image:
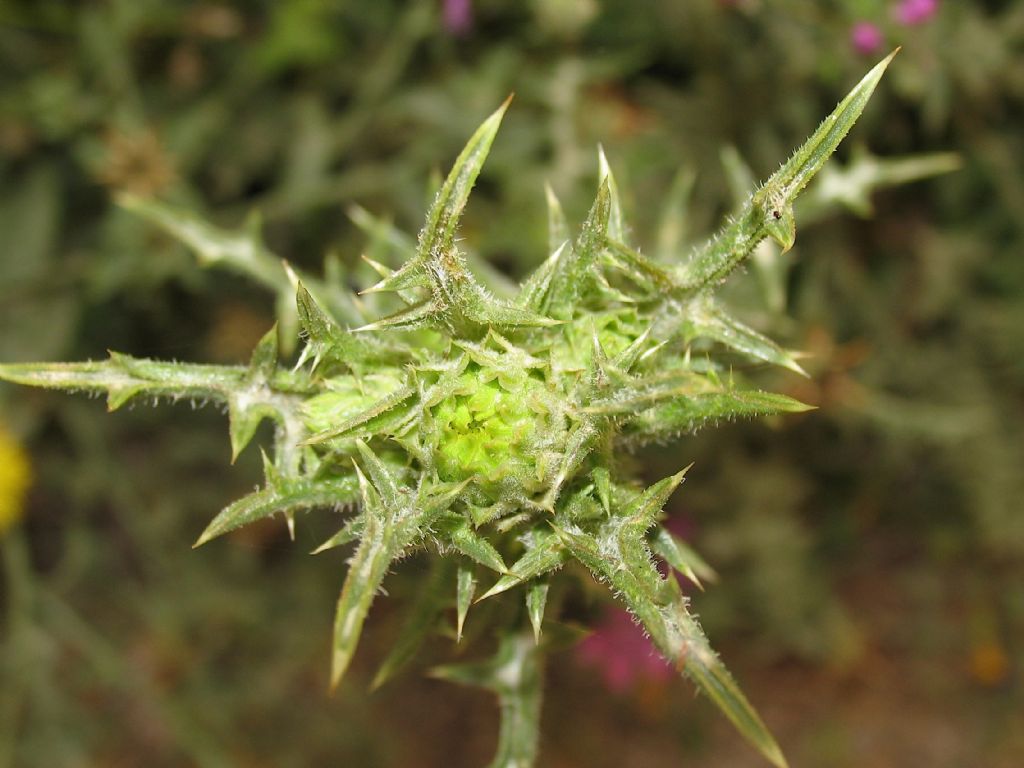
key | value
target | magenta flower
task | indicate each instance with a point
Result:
(866, 38)
(457, 16)
(622, 653)
(914, 12)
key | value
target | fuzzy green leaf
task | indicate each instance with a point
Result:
(582, 439)
(382, 416)
(395, 519)
(653, 278)
(382, 477)
(691, 408)
(351, 531)
(707, 319)
(285, 495)
(643, 511)
(465, 588)
(327, 340)
(683, 642)
(616, 221)
(657, 604)
(438, 235)
(603, 487)
(681, 556)
(536, 600)
(123, 378)
(544, 554)
(769, 211)
(457, 301)
(460, 534)
(378, 548)
(575, 270)
(534, 292)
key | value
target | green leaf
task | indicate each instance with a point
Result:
(684, 644)
(603, 486)
(249, 405)
(327, 340)
(574, 272)
(458, 533)
(420, 315)
(321, 330)
(616, 222)
(263, 362)
(395, 519)
(385, 414)
(583, 437)
(351, 531)
(793, 176)
(657, 604)
(639, 394)
(457, 300)
(536, 600)
(371, 562)
(465, 588)
(769, 211)
(123, 378)
(706, 319)
(681, 556)
(688, 412)
(645, 273)
(643, 511)
(534, 291)
(379, 546)
(382, 477)
(544, 554)
(438, 235)
(245, 417)
(286, 496)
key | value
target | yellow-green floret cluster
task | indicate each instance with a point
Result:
(489, 429)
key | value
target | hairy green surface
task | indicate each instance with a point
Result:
(491, 429)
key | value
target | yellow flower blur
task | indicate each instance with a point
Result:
(15, 476)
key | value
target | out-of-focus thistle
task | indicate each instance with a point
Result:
(491, 430)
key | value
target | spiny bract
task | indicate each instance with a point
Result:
(491, 428)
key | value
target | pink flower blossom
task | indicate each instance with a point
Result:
(457, 16)
(621, 652)
(914, 12)
(866, 38)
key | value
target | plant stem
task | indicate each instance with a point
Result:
(519, 685)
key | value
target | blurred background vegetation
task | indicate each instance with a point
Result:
(871, 552)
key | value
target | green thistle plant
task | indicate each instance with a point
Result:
(491, 429)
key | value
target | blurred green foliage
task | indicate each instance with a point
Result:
(905, 484)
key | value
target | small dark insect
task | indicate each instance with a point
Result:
(777, 215)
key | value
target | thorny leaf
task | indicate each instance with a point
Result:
(489, 429)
